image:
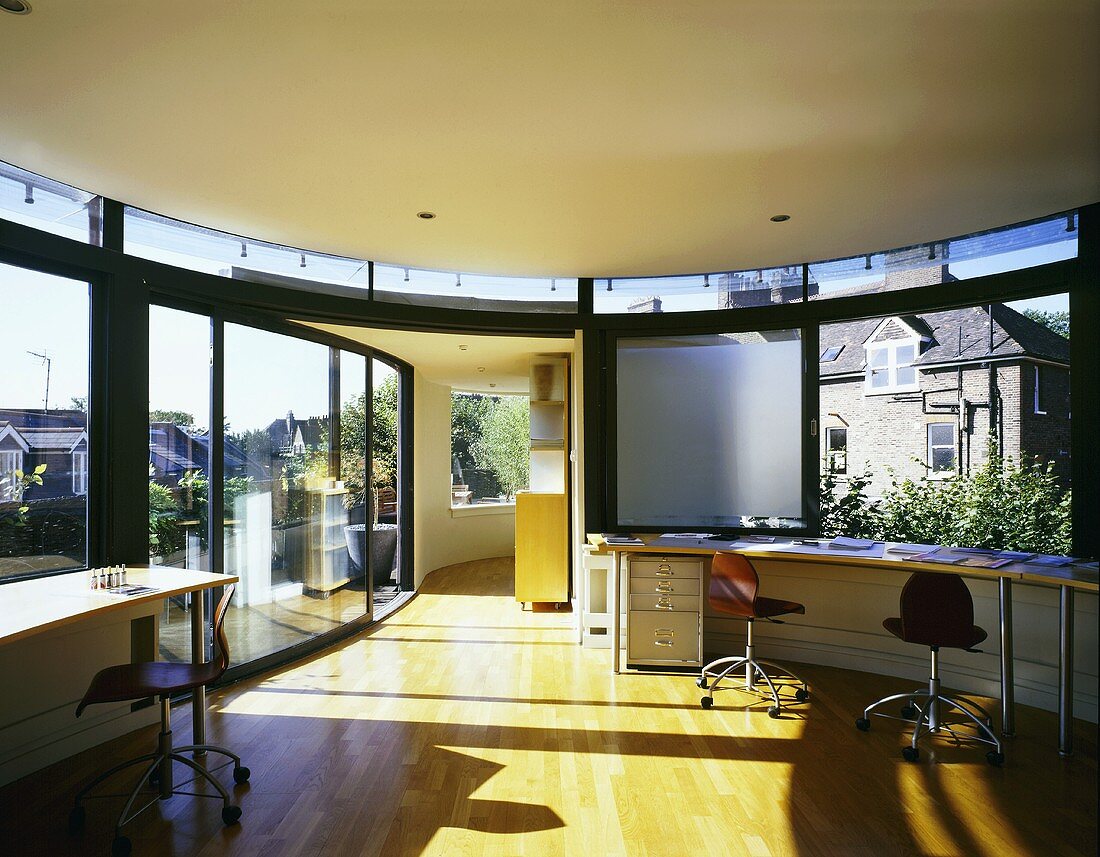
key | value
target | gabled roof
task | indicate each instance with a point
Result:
(956, 335)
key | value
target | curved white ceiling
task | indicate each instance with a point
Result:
(577, 137)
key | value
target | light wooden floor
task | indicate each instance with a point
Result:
(462, 726)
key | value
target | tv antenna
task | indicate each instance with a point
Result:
(47, 361)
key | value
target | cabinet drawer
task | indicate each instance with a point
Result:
(664, 586)
(665, 567)
(666, 603)
(662, 636)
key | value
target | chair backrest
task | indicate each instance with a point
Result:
(221, 643)
(733, 585)
(937, 610)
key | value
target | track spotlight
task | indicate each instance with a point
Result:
(609, 284)
(553, 285)
(706, 281)
(244, 250)
(458, 280)
(931, 252)
(406, 275)
(867, 265)
(301, 260)
(28, 198)
(1071, 224)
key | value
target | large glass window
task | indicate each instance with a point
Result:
(709, 430)
(43, 422)
(959, 454)
(286, 506)
(994, 251)
(460, 290)
(389, 518)
(37, 201)
(491, 439)
(723, 290)
(185, 245)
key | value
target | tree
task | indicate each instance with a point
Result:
(353, 418)
(503, 446)
(848, 511)
(179, 418)
(78, 403)
(1056, 320)
(468, 413)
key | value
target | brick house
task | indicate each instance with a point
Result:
(922, 393)
(57, 439)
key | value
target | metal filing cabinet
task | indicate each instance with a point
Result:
(664, 626)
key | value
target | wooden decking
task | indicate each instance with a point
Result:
(463, 725)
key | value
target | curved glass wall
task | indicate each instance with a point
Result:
(724, 290)
(37, 201)
(458, 290)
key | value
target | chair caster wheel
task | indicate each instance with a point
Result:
(802, 694)
(995, 759)
(908, 712)
(241, 774)
(76, 819)
(863, 724)
(706, 702)
(231, 815)
(773, 712)
(121, 847)
(910, 754)
(701, 682)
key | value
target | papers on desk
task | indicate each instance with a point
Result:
(698, 536)
(820, 547)
(1046, 561)
(130, 589)
(842, 543)
(910, 548)
(621, 539)
(967, 558)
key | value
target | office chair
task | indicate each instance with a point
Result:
(138, 681)
(733, 591)
(936, 611)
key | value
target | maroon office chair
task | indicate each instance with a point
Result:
(138, 681)
(733, 591)
(936, 611)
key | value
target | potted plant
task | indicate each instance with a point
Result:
(383, 536)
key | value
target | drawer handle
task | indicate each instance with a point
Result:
(663, 571)
(667, 643)
(664, 632)
(664, 586)
(664, 603)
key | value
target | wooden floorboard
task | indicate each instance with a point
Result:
(464, 725)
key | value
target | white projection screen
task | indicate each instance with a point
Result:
(709, 430)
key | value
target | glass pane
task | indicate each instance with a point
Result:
(179, 459)
(1009, 465)
(941, 434)
(907, 376)
(43, 422)
(353, 475)
(878, 357)
(710, 430)
(51, 206)
(185, 245)
(385, 474)
(725, 290)
(461, 290)
(880, 378)
(490, 446)
(285, 506)
(838, 439)
(994, 251)
(943, 459)
(905, 354)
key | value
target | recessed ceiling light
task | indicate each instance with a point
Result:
(423, 215)
(492, 385)
(16, 7)
(780, 218)
(463, 347)
(480, 368)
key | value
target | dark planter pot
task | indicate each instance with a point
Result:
(383, 554)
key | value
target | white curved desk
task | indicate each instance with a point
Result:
(1068, 580)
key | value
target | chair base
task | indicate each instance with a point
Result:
(924, 709)
(714, 673)
(158, 772)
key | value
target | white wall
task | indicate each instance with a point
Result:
(441, 538)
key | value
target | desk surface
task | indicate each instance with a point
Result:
(30, 606)
(1075, 576)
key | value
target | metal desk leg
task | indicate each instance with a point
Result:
(1065, 673)
(198, 656)
(615, 608)
(1008, 688)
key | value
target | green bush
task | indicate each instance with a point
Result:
(1001, 505)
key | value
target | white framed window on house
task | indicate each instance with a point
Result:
(941, 449)
(1037, 406)
(10, 461)
(890, 367)
(80, 472)
(836, 450)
